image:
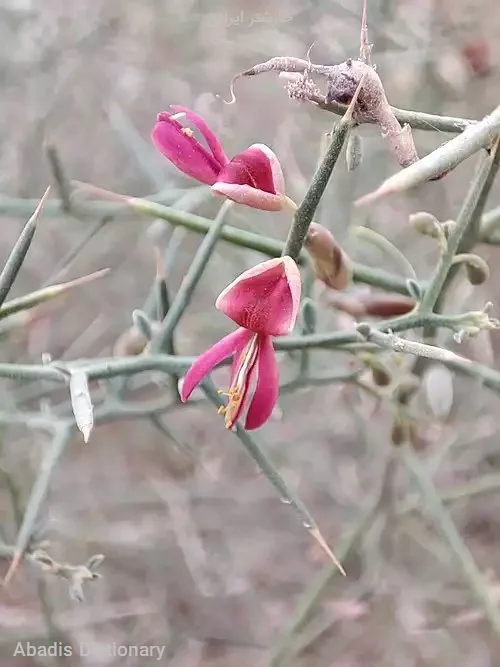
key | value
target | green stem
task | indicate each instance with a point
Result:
(466, 224)
(379, 241)
(474, 577)
(19, 251)
(269, 471)
(305, 212)
(418, 120)
(37, 496)
(183, 297)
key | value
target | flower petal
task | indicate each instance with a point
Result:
(267, 389)
(249, 196)
(209, 136)
(209, 359)
(257, 167)
(183, 150)
(276, 170)
(264, 299)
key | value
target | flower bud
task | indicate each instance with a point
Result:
(448, 226)
(477, 270)
(130, 343)
(386, 305)
(354, 151)
(331, 264)
(425, 223)
(380, 375)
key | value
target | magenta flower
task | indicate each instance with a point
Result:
(264, 302)
(253, 177)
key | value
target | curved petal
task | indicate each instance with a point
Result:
(264, 299)
(182, 149)
(210, 136)
(207, 361)
(295, 285)
(276, 170)
(249, 196)
(255, 168)
(267, 389)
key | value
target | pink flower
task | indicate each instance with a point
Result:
(264, 302)
(253, 177)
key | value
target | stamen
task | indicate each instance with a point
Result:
(187, 131)
(241, 381)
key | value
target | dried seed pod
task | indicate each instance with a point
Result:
(343, 80)
(331, 264)
(425, 223)
(354, 151)
(372, 106)
(386, 305)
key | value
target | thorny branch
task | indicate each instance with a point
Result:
(354, 91)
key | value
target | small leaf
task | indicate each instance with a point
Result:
(438, 384)
(143, 323)
(81, 403)
(414, 289)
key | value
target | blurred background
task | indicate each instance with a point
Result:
(201, 555)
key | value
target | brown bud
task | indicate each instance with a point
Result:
(386, 305)
(477, 270)
(130, 343)
(346, 304)
(381, 376)
(330, 262)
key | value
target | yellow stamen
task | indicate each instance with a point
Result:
(237, 391)
(187, 131)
